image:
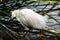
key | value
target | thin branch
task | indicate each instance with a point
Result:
(8, 31)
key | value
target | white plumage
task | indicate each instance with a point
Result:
(27, 17)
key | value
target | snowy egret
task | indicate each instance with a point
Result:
(29, 18)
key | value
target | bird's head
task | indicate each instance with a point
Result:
(13, 14)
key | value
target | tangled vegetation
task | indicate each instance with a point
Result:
(12, 29)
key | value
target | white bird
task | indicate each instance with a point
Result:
(29, 18)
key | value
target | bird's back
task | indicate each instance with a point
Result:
(29, 17)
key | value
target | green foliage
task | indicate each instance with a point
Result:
(43, 0)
